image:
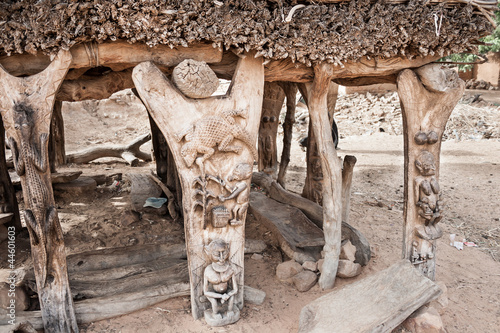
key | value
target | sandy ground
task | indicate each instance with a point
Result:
(470, 187)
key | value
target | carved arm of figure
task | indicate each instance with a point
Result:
(234, 191)
(17, 157)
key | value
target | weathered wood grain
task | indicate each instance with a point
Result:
(375, 304)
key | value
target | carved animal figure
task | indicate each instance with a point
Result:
(220, 130)
(30, 161)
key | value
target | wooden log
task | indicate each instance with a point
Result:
(57, 149)
(26, 106)
(298, 237)
(100, 87)
(214, 150)
(331, 168)
(427, 97)
(120, 55)
(130, 152)
(347, 171)
(195, 79)
(315, 213)
(117, 55)
(9, 211)
(377, 303)
(268, 130)
(290, 90)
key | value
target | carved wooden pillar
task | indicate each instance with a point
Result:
(9, 210)
(331, 169)
(57, 149)
(213, 143)
(26, 106)
(268, 130)
(428, 96)
(290, 90)
(313, 186)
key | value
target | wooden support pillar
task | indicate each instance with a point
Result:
(428, 96)
(313, 186)
(165, 164)
(9, 210)
(213, 144)
(290, 90)
(26, 106)
(268, 130)
(331, 168)
(57, 149)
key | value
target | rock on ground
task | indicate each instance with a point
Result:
(304, 280)
(288, 269)
(424, 320)
(348, 269)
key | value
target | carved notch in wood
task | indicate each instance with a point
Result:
(428, 96)
(26, 106)
(213, 144)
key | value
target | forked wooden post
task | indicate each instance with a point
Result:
(213, 143)
(268, 130)
(313, 185)
(428, 97)
(332, 171)
(26, 106)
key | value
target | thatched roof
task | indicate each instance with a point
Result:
(335, 32)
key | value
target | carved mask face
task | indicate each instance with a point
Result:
(425, 164)
(218, 250)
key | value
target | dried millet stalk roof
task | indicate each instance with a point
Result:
(336, 33)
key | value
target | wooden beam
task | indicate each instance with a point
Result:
(120, 55)
(117, 55)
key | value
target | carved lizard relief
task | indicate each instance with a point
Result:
(220, 130)
(30, 161)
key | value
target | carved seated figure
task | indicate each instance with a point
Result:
(220, 285)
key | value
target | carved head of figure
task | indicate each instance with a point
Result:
(189, 154)
(425, 164)
(241, 172)
(218, 251)
(23, 118)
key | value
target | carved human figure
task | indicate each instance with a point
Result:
(219, 281)
(4, 205)
(427, 195)
(240, 190)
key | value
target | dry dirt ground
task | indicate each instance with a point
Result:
(470, 167)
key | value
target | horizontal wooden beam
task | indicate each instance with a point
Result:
(117, 55)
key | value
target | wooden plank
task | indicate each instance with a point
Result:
(288, 224)
(378, 303)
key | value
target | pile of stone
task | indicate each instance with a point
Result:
(304, 276)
